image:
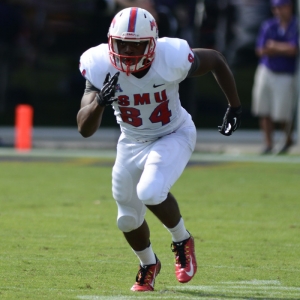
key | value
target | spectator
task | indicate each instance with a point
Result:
(274, 82)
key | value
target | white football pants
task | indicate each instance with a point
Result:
(144, 172)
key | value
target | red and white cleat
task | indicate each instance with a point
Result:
(145, 277)
(185, 259)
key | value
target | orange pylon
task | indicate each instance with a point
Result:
(23, 127)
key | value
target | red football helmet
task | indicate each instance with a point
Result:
(132, 24)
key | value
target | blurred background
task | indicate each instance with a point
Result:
(41, 42)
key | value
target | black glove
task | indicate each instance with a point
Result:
(106, 96)
(231, 120)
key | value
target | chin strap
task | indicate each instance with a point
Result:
(128, 70)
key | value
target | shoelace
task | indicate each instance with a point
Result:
(180, 252)
(143, 275)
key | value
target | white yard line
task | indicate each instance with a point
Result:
(240, 288)
(254, 282)
(145, 297)
(218, 288)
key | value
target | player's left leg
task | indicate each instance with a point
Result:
(164, 165)
(182, 242)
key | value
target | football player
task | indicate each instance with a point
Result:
(139, 74)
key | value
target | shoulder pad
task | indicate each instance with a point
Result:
(94, 64)
(173, 58)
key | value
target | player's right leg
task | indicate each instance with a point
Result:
(165, 163)
(131, 213)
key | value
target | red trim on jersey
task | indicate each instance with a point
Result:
(132, 19)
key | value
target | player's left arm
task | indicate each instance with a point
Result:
(213, 61)
(208, 60)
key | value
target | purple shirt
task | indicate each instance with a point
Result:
(270, 29)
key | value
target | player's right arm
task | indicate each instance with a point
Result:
(90, 114)
(93, 103)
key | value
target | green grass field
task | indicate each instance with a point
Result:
(59, 239)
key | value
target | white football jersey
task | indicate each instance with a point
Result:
(148, 107)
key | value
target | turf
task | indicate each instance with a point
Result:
(59, 239)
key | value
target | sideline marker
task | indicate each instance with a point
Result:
(23, 127)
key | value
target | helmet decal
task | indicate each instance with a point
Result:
(113, 22)
(153, 24)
